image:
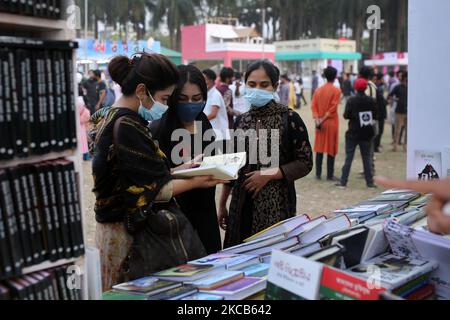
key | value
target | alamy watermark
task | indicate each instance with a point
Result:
(374, 20)
(74, 274)
(262, 146)
(73, 17)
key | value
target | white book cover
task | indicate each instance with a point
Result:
(295, 274)
(221, 167)
(422, 244)
(282, 227)
(446, 162)
(393, 271)
(327, 227)
(428, 165)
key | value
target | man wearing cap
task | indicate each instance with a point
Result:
(361, 111)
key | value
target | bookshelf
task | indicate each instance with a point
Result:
(48, 265)
(10, 21)
(36, 159)
(38, 28)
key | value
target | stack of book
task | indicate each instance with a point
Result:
(388, 254)
(37, 107)
(389, 204)
(195, 282)
(321, 258)
(49, 9)
(404, 277)
(40, 216)
(292, 238)
(364, 212)
(240, 272)
(45, 285)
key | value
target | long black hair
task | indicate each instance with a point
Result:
(162, 129)
(188, 74)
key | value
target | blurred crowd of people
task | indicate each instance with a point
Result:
(366, 99)
(371, 100)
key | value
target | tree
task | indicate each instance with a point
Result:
(175, 13)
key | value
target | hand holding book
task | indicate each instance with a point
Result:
(222, 167)
(437, 209)
(195, 163)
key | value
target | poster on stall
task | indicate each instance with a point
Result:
(428, 165)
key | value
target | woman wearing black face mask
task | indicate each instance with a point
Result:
(186, 113)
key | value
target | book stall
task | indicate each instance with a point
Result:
(380, 249)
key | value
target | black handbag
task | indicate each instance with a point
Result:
(166, 240)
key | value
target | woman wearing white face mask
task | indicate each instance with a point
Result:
(132, 175)
(263, 196)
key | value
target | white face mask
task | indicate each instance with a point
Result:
(258, 98)
(155, 113)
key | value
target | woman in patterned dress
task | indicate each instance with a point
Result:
(265, 194)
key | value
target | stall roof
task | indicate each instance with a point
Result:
(319, 55)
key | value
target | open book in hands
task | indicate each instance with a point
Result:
(222, 167)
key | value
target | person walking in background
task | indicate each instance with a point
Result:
(382, 110)
(361, 110)
(117, 91)
(393, 81)
(186, 112)
(90, 89)
(400, 94)
(292, 96)
(299, 91)
(347, 88)
(240, 104)
(226, 79)
(215, 108)
(325, 113)
(368, 74)
(393, 107)
(100, 89)
(84, 116)
(284, 90)
(314, 83)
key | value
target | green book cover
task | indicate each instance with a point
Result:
(276, 293)
(119, 296)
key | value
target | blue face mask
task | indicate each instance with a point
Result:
(257, 97)
(155, 113)
(188, 112)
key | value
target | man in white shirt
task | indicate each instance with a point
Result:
(240, 104)
(215, 108)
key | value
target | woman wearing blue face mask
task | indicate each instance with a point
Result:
(263, 196)
(133, 179)
(186, 114)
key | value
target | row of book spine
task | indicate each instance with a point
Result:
(37, 105)
(44, 285)
(40, 216)
(49, 9)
